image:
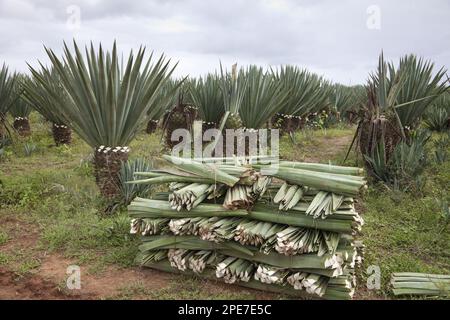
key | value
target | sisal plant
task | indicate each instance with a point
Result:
(163, 102)
(308, 94)
(108, 101)
(21, 109)
(206, 94)
(42, 99)
(397, 99)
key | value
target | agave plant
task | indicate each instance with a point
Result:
(405, 166)
(206, 95)
(21, 109)
(108, 102)
(128, 169)
(308, 94)
(42, 99)
(441, 147)
(393, 109)
(7, 85)
(419, 86)
(437, 118)
(251, 99)
(408, 162)
(263, 97)
(344, 101)
(420, 284)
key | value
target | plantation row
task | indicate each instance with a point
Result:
(106, 103)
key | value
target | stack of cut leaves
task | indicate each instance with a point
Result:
(408, 283)
(291, 231)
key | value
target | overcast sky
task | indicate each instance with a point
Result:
(338, 39)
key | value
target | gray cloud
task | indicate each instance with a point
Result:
(328, 37)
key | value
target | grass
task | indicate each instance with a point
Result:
(51, 195)
(404, 233)
(21, 261)
(3, 237)
(184, 288)
(407, 232)
(54, 189)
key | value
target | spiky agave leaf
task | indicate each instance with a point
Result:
(7, 85)
(189, 196)
(437, 117)
(271, 275)
(164, 99)
(7, 98)
(341, 100)
(149, 227)
(421, 85)
(42, 97)
(233, 86)
(263, 97)
(403, 94)
(126, 174)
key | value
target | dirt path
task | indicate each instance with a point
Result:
(320, 150)
(49, 283)
(32, 287)
(328, 148)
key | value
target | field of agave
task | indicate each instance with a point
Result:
(377, 153)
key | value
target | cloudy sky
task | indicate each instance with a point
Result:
(338, 39)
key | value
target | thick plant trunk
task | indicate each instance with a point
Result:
(299, 123)
(62, 134)
(107, 162)
(152, 125)
(181, 117)
(22, 126)
(288, 124)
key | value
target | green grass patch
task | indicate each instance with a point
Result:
(3, 237)
(4, 259)
(407, 232)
